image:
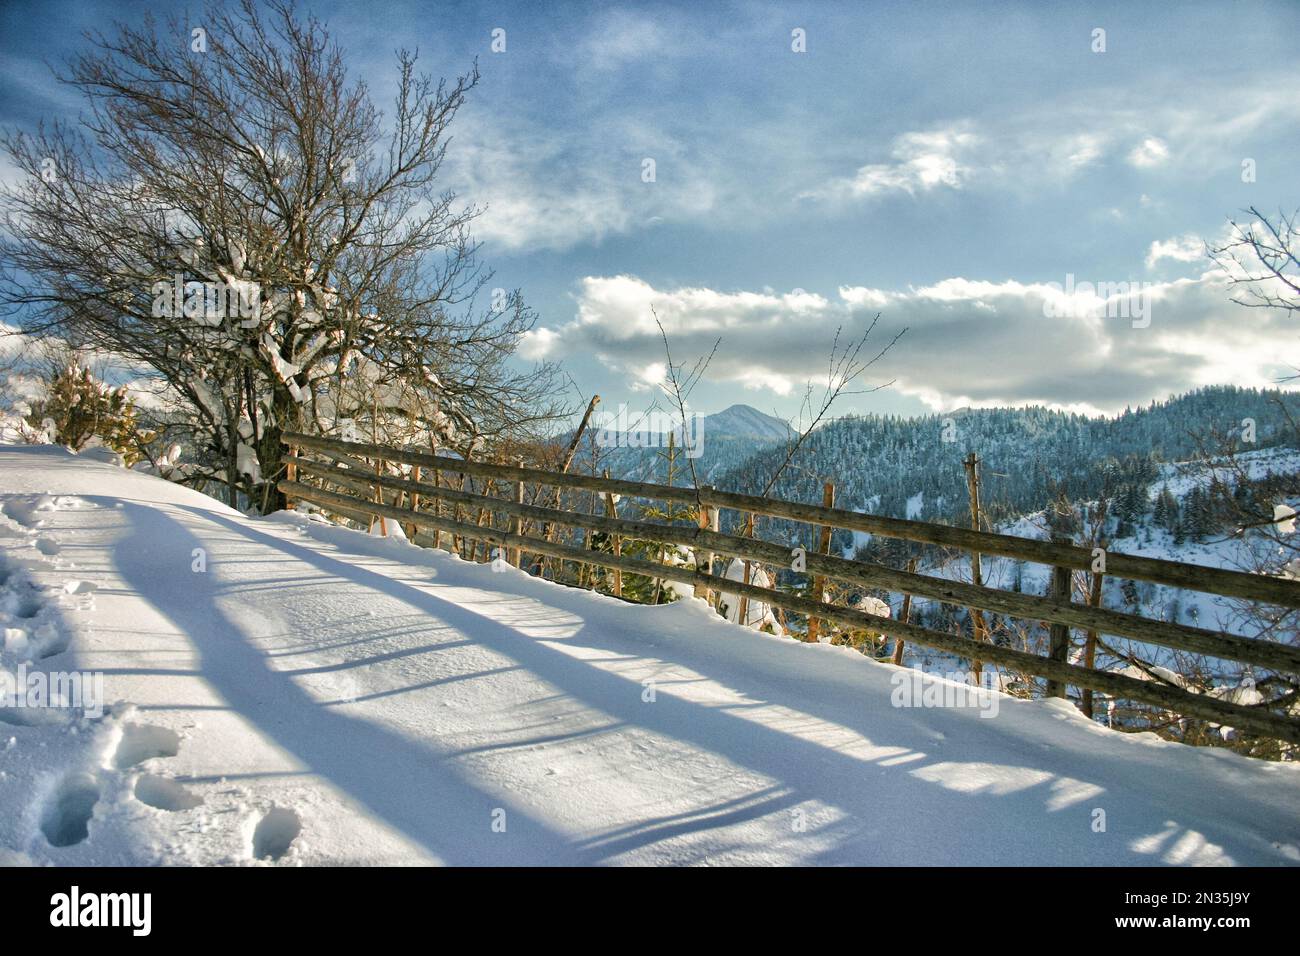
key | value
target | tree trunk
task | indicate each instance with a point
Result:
(286, 416)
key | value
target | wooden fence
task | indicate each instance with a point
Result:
(354, 469)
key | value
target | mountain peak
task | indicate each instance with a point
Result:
(745, 421)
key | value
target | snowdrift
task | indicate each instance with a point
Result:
(282, 692)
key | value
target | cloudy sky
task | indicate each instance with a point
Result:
(956, 168)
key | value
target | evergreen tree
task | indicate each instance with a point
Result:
(1198, 516)
(1161, 513)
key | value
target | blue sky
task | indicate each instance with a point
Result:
(939, 163)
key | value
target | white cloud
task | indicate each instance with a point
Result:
(1039, 148)
(537, 344)
(970, 342)
(1185, 248)
(1152, 151)
(650, 376)
(10, 175)
(542, 191)
(1083, 150)
(922, 161)
(1015, 150)
(555, 180)
(619, 37)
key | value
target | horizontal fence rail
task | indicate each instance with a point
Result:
(361, 485)
(1192, 577)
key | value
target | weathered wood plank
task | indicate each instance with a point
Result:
(1238, 584)
(1059, 635)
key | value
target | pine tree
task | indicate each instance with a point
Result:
(1162, 508)
(1198, 518)
(1166, 510)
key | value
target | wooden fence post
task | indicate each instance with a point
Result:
(904, 615)
(291, 473)
(379, 499)
(708, 521)
(611, 511)
(516, 522)
(1059, 634)
(823, 547)
(437, 502)
(979, 630)
(459, 542)
(411, 529)
(484, 515)
(715, 525)
(742, 615)
(1090, 644)
(548, 530)
(379, 468)
(703, 561)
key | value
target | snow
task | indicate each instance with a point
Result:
(757, 613)
(1284, 516)
(915, 505)
(872, 605)
(246, 461)
(284, 371)
(1182, 477)
(284, 692)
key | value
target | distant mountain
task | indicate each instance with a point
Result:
(637, 449)
(745, 421)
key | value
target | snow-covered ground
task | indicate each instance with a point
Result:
(282, 690)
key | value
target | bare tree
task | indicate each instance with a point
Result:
(678, 384)
(1260, 260)
(845, 366)
(238, 216)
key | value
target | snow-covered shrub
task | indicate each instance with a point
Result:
(82, 412)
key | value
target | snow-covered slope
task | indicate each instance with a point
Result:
(1220, 549)
(315, 695)
(745, 421)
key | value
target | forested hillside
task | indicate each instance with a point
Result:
(1030, 457)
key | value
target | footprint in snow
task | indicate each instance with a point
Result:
(24, 605)
(66, 818)
(30, 510)
(141, 742)
(275, 833)
(163, 793)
